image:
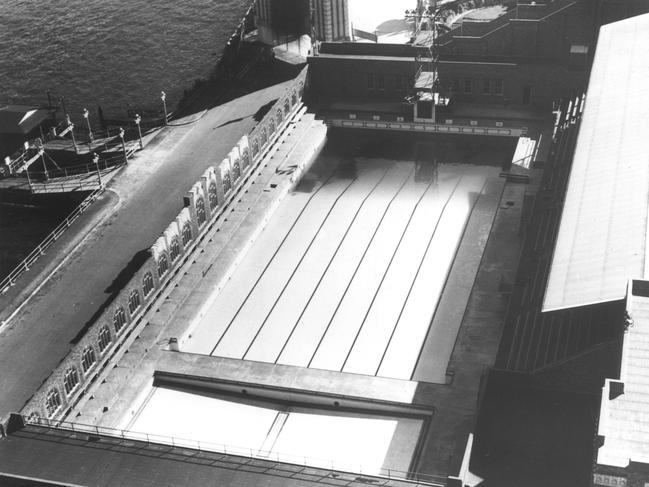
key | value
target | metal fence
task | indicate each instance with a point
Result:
(23, 267)
(289, 465)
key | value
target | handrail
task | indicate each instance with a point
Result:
(87, 168)
(40, 249)
(355, 469)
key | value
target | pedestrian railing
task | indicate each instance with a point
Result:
(103, 163)
(47, 242)
(237, 457)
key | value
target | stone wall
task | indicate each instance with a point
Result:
(203, 204)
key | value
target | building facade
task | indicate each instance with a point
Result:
(330, 20)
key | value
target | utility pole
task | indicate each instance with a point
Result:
(71, 127)
(163, 97)
(138, 119)
(121, 136)
(86, 115)
(95, 159)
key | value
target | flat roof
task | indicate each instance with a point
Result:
(624, 414)
(602, 240)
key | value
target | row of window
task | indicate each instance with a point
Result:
(486, 86)
(71, 377)
(104, 338)
(377, 81)
(88, 358)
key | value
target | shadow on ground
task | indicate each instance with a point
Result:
(114, 289)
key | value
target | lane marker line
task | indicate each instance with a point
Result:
(385, 273)
(360, 261)
(421, 262)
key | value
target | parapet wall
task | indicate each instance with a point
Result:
(203, 204)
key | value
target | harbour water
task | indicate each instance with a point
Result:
(117, 54)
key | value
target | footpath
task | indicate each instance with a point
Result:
(75, 280)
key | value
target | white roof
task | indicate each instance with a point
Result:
(602, 239)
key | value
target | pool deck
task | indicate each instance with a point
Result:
(452, 402)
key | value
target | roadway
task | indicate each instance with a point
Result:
(148, 195)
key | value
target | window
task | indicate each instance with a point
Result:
(255, 147)
(381, 82)
(187, 233)
(174, 248)
(456, 86)
(87, 358)
(104, 339)
(271, 128)
(264, 137)
(163, 265)
(498, 86)
(134, 301)
(34, 417)
(227, 184)
(212, 195)
(200, 211)
(279, 117)
(287, 106)
(486, 86)
(53, 402)
(70, 380)
(236, 170)
(370, 81)
(119, 319)
(147, 284)
(300, 88)
(467, 86)
(294, 99)
(245, 159)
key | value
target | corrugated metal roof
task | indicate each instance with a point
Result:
(602, 239)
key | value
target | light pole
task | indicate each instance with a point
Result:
(138, 119)
(121, 136)
(41, 152)
(86, 115)
(163, 97)
(95, 159)
(71, 127)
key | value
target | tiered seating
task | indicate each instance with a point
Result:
(533, 340)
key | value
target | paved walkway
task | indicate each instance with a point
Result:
(150, 192)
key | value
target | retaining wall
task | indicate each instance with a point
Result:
(203, 204)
